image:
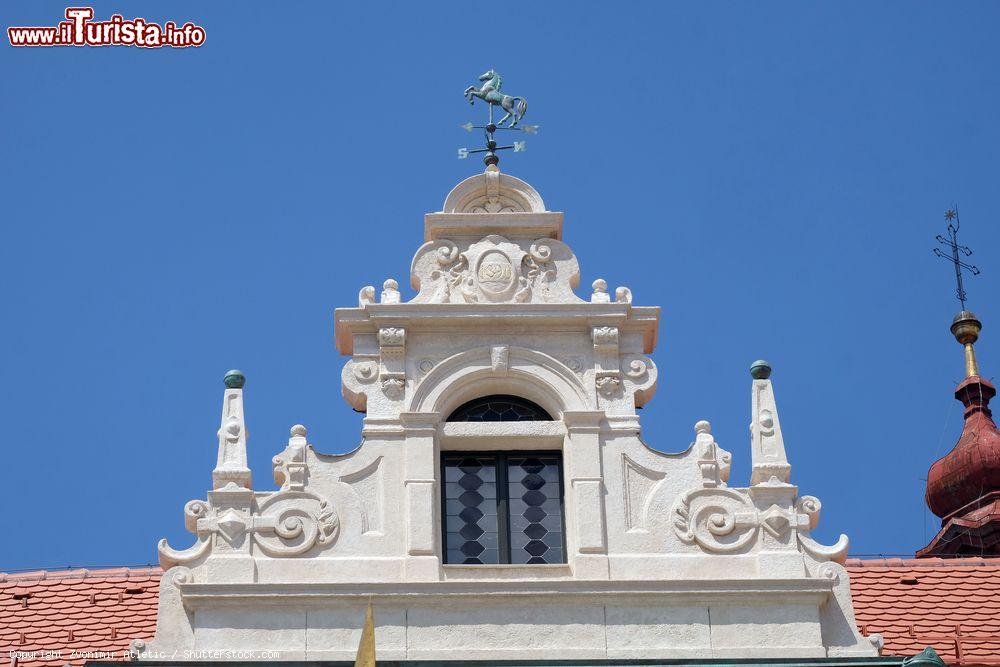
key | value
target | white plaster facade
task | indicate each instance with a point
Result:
(664, 559)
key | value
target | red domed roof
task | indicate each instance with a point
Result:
(967, 479)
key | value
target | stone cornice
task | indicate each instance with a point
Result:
(457, 225)
(740, 591)
(486, 317)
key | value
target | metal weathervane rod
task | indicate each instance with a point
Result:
(956, 254)
(515, 108)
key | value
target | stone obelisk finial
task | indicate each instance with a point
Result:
(232, 462)
(767, 446)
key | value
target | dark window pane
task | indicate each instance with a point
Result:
(499, 409)
(502, 507)
(535, 491)
(470, 507)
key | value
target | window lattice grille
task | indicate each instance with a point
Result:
(499, 409)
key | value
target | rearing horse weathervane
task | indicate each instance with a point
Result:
(515, 107)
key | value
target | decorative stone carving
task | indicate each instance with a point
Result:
(367, 486)
(719, 520)
(493, 192)
(638, 368)
(600, 294)
(638, 487)
(608, 384)
(358, 378)
(640, 377)
(290, 468)
(499, 355)
(775, 521)
(289, 522)
(366, 371)
(538, 269)
(623, 295)
(573, 363)
(713, 461)
(608, 375)
(392, 361)
(366, 296)
(390, 291)
(495, 270)
(286, 523)
(606, 336)
(392, 337)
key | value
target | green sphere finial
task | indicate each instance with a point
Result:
(760, 370)
(926, 658)
(235, 379)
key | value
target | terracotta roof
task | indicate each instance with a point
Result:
(952, 604)
(54, 618)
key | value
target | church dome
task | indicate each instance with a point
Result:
(971, 470)
(963, 487)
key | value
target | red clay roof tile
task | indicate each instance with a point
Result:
(951, 604)
(67, 615)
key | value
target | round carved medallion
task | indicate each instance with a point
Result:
(495, 272)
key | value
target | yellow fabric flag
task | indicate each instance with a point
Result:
(366, 647)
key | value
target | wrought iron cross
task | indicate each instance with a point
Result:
(957, 251)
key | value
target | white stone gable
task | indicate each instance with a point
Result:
(663, 559)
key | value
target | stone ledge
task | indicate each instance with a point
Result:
(746, 592)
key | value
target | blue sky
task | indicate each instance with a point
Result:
(772, 174)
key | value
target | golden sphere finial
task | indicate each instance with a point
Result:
(965, 327)
(966, 330)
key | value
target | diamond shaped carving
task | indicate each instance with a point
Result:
(232, 524)
(775, 521)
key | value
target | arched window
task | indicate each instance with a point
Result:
(499, 408)
(502, 506)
